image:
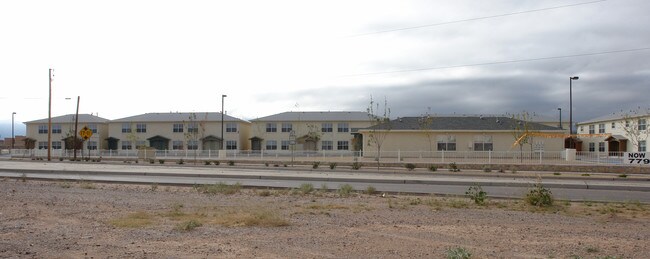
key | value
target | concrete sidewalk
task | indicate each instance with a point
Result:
(304, 173)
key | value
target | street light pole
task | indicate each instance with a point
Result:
(13, 137)
(49, 121)
(560, 109)
(76, 124)
(571, 108)
(222, 140)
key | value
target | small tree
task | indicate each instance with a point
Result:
(636, 128)
(521, 130)
(195, 132)
(379, 126)
(425, 122)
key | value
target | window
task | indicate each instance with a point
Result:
(482, 143)
(592, 147)
(42, 129)
(93, 128)
(601, 146)
(56, 144)
(642, 125)
(326, 145)
(342, 145)
(192, 127)
(287, 127)
(592, 129)
(92, 145)
(271, 145)
(601, 128)
(582, 129)
(613, 125)
(231, 145)
(192, 145)
(271, 127)
(178, 128)
(56, 128)
(141, 128)
(42, 145)
(126, 127)
(177, 144)
(126, 145)
(231, 127)
(343, 127)
(447, 143)
(627, 124)
(326, 127)
(642, 146)
(285, 144)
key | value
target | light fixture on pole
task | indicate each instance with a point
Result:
(49, 120)
(222, 140)
(560, 110)
(13, 137)
(571, 108)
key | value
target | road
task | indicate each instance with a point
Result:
(439, 183)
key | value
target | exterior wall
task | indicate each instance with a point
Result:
(166, 130)
(67, 130)
(303, 128)
(416, 141)
(618, 129)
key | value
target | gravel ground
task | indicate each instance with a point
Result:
(78, 220)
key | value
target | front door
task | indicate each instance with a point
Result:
(256, 144)
(159, 143)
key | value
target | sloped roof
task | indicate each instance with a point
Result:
(618, 116)
(460, 123)
(69, 118)
(317, 116)
(177, 117)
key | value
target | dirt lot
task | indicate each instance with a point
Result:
(90, 220)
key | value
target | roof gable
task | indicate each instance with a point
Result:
(317, 116)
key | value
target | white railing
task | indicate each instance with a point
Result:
(471, 157)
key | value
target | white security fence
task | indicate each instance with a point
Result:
(470, 157)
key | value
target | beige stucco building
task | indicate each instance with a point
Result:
(312, 131)
(179, 131)
(624, 132)
(63, 132)
(417, 136)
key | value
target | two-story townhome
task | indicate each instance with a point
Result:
(616, 132)
(308, 131)
(179, 131)
(63, 128)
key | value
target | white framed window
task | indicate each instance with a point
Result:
(601, 128)
(613, 125)
(178, 128)
(271, 145)
(287, 127)
(42, 129)
(343, 127)
(271, 127)
(446, 143)
(601, 146)
(192, 144)
(56, 128)
(231, 127)
(592, 129)
(326, 145)
(231, 145)
(642, 124)
(56, 144)
(642, 146)
(141, 128)
(193, 127)
(285, 145)
(126, 145)
(592, 147)
(42, 145)
(582, 129)
(326, 127)
(93, 128)
(342, 145)
(126, 127)
(177, 145)
(92, 145)
(483, 143)
(627, 124)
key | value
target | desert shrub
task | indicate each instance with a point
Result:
(433, 168)
(189, 225)
(264, 193)
(306, 188)
(134, 220)
(220, 187)
(332, 166)
(345, 190)
(409, 166)
(371, 190)
(539, 196)
(476, 193)
(457, 253)
(315, 165)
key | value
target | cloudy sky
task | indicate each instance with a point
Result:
(447, 56)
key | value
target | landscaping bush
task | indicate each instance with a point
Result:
(216, 163)
(151, 161)
(207, 162)
(487, 169)
(356, 165)
(453, 167)
(410, 166)
(315, 165)
(231, 163)
(433, 168)
(161, 161)
(332, 166)
(180, 162)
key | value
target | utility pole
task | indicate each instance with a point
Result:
(222, 140)
(76, 124)
(49, 121)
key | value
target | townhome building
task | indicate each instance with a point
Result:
(617, 132)
(179, 131)
(63, 128)
(308, 131)
(423, 136)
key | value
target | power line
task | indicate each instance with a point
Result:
(497, 62)
(475, 19)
